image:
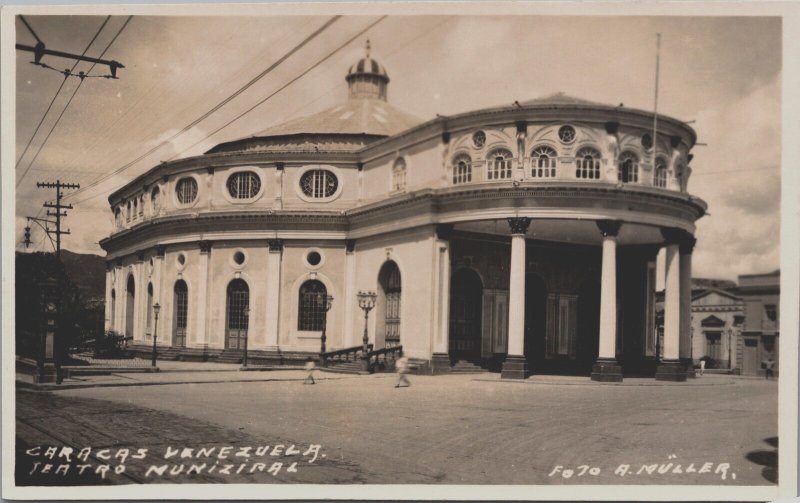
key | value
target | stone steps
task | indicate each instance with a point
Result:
(465, 367)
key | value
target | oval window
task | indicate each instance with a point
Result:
(238, 257)
(186, 190)
(244, 185)
(319, 183)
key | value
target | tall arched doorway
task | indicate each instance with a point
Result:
(181, 305)
(588, 324)
(238, 313)
(130, 298)
(466, 304)
(149, 323)
(113, 313)
(535, 317)
(388, 316)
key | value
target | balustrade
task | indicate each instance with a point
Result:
(353, 353)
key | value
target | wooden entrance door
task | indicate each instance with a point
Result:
(466, 294)
(130, 297)
(750, 362)
(238, 314)
(181, 302)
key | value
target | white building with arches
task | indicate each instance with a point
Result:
(520, 238)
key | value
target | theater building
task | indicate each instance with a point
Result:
(520, 238)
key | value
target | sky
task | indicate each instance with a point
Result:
(720, 74)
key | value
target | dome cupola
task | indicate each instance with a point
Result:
(367, 78)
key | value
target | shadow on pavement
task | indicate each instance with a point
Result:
(768, 459)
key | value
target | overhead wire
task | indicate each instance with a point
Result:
(119, 32)
(58, 91)
(216, 107)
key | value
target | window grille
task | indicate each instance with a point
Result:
(543, 162)
(186, 189)
(628, 171)
(660, 179)
(149, 330)
(499, 164)
(311, 314)
(238, 305)
(319, 183)
(587, 163)
(391, 284)
(462, 169)
(399, 174)
(244, 185)
(181, 313)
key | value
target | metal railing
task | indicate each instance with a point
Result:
(354, 353)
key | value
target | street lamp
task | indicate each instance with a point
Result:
(326, 301)
(156, 309)
(246, 312)
(366, 301)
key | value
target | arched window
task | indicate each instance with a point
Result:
(149, 330)
(181, 303)
(399, 174)
(628, 167)
(544, 161)
(311, 312)
(499, 163)
(319, 183)
(587, 163)
(244, 185)
(155, 200)
(660, 175)
(186, 190)
(238, 314)
(462, 169)
(389, 281)
(113, 317)
(130, 302)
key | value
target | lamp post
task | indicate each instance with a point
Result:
(246, 312)
(326, 301)
(366, 301)
(156, 309)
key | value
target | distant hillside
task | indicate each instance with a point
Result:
(705, 283)
(87, 271)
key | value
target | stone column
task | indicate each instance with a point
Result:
(140, 300)
(607, 369)
(670, 368)
(440, 358)
(273, 310)
(685, 351)
(121, 297)
(278, 202)
(351, 335)
(516, 366)
(107, 311)
(201, 318)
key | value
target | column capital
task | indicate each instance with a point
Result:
(161, 250)
(672, 235)
(205, 246)
(349, 245)
(609, 227)
(444, 231)
(519, 225)
(275, 245)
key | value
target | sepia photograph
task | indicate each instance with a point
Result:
(396, 251)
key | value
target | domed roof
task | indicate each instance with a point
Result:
(367, 66)
(560, 98)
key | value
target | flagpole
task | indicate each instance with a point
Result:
(655, 105)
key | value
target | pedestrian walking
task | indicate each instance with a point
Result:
(702, 366)
(769, 367)
(310, 367)
(402, 370)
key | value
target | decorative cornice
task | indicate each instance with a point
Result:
(275, 245)
(161, 250)
(519, 225)
(609, 227)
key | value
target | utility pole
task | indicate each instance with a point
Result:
(58, 207)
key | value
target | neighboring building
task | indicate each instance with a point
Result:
(717, 316)
(760, 335)
(523, 237)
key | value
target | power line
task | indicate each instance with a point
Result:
(306, 71)
(59, 87)
(219, 105)
(70, 100)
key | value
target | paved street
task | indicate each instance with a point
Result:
(468, 429)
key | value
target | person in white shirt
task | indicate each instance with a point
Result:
(402, 370)
(310, 369)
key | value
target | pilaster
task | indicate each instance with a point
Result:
(273, 311)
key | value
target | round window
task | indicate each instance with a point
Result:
(647, 141)
(319, 183)
(186, 190)
(244, 185)
(238, 257)
(314, 258)
(566, 134)
(479, 139)
(182, 259)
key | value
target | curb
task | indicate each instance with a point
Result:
(602, 384)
